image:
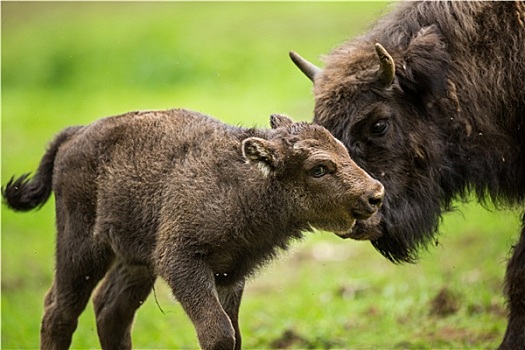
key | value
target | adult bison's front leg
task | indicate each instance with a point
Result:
(193, 284)
(515, 291)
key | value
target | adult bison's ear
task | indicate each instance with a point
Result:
(425, 66)
(279, 121)
(261, 152)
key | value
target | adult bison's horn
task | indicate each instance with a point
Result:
(309, 69)
(387, 68)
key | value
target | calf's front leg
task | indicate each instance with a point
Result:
(230, 298)
(192, 283)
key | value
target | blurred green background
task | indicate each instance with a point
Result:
(72, 63)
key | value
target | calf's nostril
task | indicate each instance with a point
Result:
(376, 201)
(368, 205)
(375, 198)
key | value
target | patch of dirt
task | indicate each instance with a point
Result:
(452, 334)
(445, 303)
(351, 291)
(495, 308)
(289, 339)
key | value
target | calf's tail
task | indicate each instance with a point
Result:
(24, 193)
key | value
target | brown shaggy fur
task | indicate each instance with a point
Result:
(450, 123)
(179, 195)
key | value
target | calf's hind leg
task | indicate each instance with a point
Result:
(515, 292)
(123, 291)
(79, 267)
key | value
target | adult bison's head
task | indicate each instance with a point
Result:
(388, 109)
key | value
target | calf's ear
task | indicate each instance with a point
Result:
(279, 121)
(261, 152)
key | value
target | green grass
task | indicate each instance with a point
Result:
(71, 63)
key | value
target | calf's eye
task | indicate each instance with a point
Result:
(318, 171)
(379, 128)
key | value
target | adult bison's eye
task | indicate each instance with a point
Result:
(318, 171)
(379, 128)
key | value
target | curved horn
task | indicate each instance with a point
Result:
(387, 68)
(309, 69)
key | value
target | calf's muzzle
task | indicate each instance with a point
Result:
(369, 202)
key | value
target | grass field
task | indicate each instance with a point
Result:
(71, 63)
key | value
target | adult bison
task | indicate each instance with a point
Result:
(431, 101)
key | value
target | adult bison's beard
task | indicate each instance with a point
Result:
(401, 228)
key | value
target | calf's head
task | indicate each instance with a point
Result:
(316, 175)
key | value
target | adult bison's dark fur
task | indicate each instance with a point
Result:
(182, 196)
(431, 101)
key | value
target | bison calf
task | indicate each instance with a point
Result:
(180, 195)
